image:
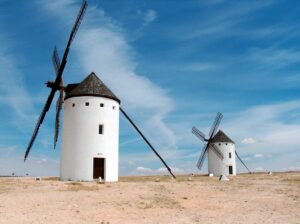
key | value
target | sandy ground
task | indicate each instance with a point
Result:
(255, 198)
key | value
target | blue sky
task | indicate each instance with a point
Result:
(173, 64)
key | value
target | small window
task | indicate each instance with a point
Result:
(219, 143)
(230, 155)
(226, 144)
(101, 104)
(114, 107)
(101, 129)
(87, 103)
(73, 105)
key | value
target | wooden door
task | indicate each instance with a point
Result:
(230, 169)
(99, 168)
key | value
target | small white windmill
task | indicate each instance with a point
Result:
(220, 149)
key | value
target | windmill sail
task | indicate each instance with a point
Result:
(59, 103)
(198, 133)
(215, 125)
(56, 61)
(56, 84)
(216, 150)
(202, 156)
(209, 145)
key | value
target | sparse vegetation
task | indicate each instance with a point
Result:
(252, 197)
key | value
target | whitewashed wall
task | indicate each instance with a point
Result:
(218, 166)
(81, 141)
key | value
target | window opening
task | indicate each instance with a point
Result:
(101, 129)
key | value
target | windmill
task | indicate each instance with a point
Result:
(88, 106)
(220, 150)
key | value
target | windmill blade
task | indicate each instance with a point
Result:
(78, 20)
(58, 78)
(40, 121)
(242, 161)
(202, 156)
(215, 125)
(148, 143)
(71, 37)
(198, 134)
(56, 60)
(216, 150)
(59, 103)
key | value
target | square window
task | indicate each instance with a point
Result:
(101, 129)
(114, 107)
(73, 105)
(101, 104)
(87, 103)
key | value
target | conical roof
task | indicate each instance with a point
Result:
(90, 86)
(221, 137)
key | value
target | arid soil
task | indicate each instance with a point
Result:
(247, 198)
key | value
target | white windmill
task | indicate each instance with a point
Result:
(220, 149)
(90, 138)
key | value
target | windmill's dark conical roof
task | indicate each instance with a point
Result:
(221, 137)
(90, 86)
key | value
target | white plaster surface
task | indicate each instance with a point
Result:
(218, 166)
(81, 141)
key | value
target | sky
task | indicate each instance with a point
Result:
(173, 64)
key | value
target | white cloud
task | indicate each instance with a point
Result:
(258, 155)
(200, 67)
(275, 57)
(248, 141)
(276, 128)
(225, 23)
(259, 169)
(143, 169)
(140, 170)
(149, 17)
(101, 47)
(163, 170)
(12, 88)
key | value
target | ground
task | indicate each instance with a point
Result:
(247, 198)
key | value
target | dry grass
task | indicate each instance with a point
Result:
(77, 186)
(162, 202)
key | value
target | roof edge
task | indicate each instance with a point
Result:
(108, 97)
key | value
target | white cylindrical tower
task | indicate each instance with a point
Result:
(227, 165)
(90, 137)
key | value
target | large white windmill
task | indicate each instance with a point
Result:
(220, 150)
(90, 138)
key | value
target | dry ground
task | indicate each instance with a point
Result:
(255, 198)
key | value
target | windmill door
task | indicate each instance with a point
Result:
(230, 170)
(99, 168)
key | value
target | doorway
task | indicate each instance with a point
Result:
(230, 170)
(99, 164)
